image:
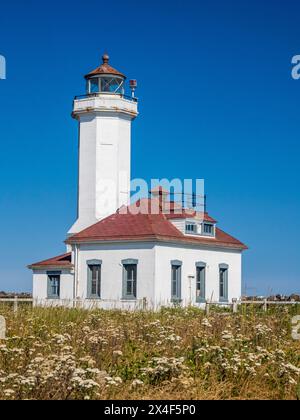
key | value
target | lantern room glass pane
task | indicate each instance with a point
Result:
(94, 85)
(112, 85)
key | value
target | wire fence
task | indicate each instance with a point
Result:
(140, 304)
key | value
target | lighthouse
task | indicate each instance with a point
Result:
(104, 114)
(126, 259)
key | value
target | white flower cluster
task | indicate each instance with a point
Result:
(164, 368)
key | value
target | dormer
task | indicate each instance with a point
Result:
(188, 221)
(194, 224)
(200, 228)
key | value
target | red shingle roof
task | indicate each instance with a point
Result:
(62, 261)
(105, 68)
(186, 214)
(148, 227)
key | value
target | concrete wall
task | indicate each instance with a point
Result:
(104, 157)
(112, 270)
(153, 274)
(40, 282)
(189, 256)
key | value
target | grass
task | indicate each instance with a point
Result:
(58, 353)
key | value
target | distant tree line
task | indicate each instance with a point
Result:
(12, 295)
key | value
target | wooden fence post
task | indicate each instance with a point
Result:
(15, 304)
(207, 308)
(144, 304)
(265, 305)
(234, 305)
(2, 328)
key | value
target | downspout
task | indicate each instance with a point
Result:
(190, 277)
(75, 286)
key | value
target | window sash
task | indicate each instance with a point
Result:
(112, 85)
(94, 85)
(54, 285)
(191, 228)
(130, 280)
(208, 229)
(176, 282)
(200, 284)
(223, 283)
(95, 281)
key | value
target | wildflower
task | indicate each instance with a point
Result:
(227, 337)
(118, 353)
(136, 383)
(206, 323)
(9, 392)
(113, 381)
(292, 368)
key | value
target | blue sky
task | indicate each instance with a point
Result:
(217, 101)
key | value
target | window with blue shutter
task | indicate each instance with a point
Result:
(94, 279)
(176, 281)
(223, 282)
(130, 279)
(200, 281)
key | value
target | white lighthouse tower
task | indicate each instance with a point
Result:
(104, 115)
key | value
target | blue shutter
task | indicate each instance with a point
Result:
(89, 282)
(179, 283)
(49, 289)
(124, 282)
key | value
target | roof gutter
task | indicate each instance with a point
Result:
(155, 239)
(55, 267)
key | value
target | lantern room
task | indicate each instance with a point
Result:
(105, 80)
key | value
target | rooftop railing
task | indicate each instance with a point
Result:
(98, 94)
